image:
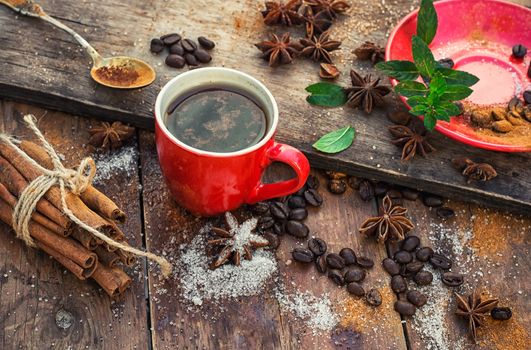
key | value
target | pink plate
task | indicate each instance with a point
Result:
(478, 35)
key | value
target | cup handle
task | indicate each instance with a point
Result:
(279, 152)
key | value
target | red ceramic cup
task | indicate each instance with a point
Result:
(210, 183)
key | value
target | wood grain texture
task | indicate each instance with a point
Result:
(56, 61)
(34, 289)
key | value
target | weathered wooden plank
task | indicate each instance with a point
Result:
(35, 290)
(56, 62)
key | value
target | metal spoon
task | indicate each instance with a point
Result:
(116, 72)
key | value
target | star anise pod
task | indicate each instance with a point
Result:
(474, 309)
(279, 51)
(370, 51)
(236, 241)
(315, 24)
(366, 92)
(282, 13)
(332, 8)
(473, 170)
(412, 142)
(110, 136)
(391, 224)
(319, 48)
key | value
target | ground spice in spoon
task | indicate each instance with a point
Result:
(117, 75)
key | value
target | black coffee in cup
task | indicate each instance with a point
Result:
(217, 119)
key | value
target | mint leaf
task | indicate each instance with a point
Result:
(335, 141)
(416, 100)
(427, 21)
(423, 57)
(326, 95)
(418, 110)
(430, 120)
(447, 109)
(400, 70)
(457, 77)
(411, 88)
(455, 93)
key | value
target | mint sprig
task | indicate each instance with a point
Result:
(434, 97)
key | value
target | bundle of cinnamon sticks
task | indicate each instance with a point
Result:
(52, 231)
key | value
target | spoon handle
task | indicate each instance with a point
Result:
(31, 9)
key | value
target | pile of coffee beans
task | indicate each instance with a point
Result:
(408, 264)
(286, 215)
(337, 182)
(344, 269)
(182, 51)
(368, 190)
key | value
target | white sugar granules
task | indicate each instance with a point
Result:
(200, 283)
(122, 163)
(317, 313)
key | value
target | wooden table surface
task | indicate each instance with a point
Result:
(37, 296)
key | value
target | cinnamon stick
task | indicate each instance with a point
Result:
(78, 271)
(127, 258)
(124, 281)
(113, 280)
(107, 258)
(64, 246)
(74, 203)
(86, 239)
(15, 183)
(10, 199)
(93, 198)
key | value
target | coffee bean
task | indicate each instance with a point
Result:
(354, 274)
(302, 255)
(279, 227)
(365, 262)
(373, 297)
(170, 39)
(519, 51)
(393, 194)
(354, 182)
(366, 190)
(399, 117)
(175, 61)
(177, 49)
(527, 97)
(452, 279)
(441, 262)
(424, 254)
(202, 56)
(414, 267)
(431, 200)
(297, 229)
(334, 261)
(279, 210)
(265, 222)
(191, 60)
(337, 186)
(381, 188)
(404, 308)
(189, 45)
(423, 278)
(348, 255)
(298, 214)
(156, 45)
(410, 243)
(320, 264)
(273, 240)
(416, 298)
(356, 289)
(445, 213)
(296, 202)
(501, 313)
(335, 275)
(301, 191)
(312, 182)
(446, 63)
(206, 43)
(391, 266)
(260, 208)
(317, 246)
(313, 197)
(403, 257)
(410, 194)
(398, 284)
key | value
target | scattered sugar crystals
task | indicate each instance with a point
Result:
(123, 162)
